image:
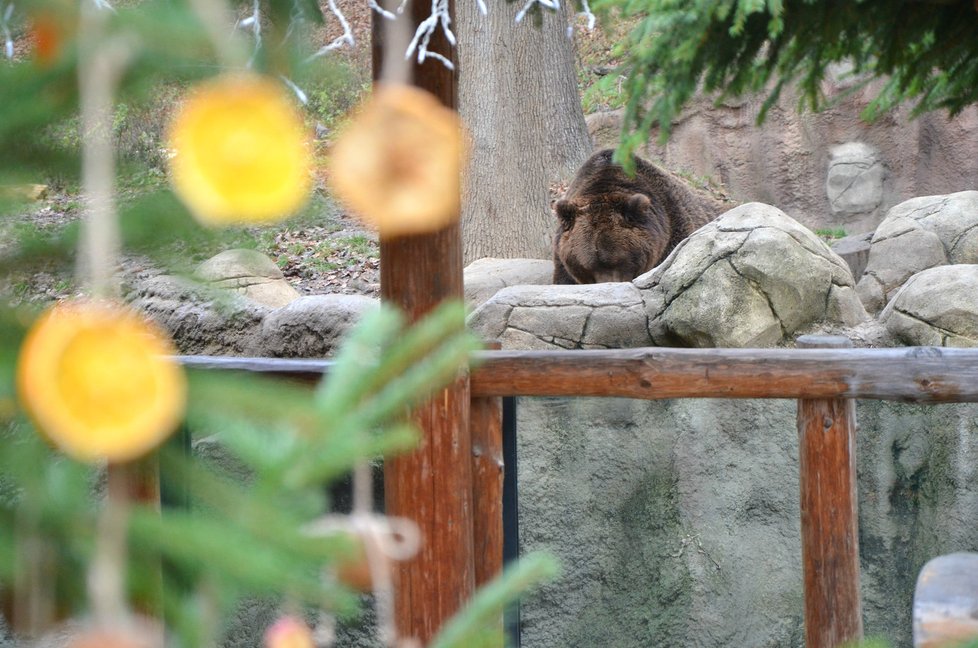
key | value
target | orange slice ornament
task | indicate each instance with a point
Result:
(241, 154)
(398, 163)
(289, 632)
(99, 381)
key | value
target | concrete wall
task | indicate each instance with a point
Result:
(677, 522)
(827, 169)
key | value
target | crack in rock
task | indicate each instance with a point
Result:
(587, 322)
(686, 285)
(957, 239)
(943, 331)
(767, 297)
(864, 168)
(934, 207)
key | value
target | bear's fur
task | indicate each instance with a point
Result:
(612, 227)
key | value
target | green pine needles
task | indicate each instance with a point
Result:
(928, 49)
(242, 529)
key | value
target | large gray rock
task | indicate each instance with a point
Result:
(483, 278)
(311, 326)
(200, 320)
(753, 277)
(854, 182)
(936, 307)
(579, 316)
(677, 522)
(854, 250)
(918, 234)
(249, 273)
(605, 128)
(208, 321)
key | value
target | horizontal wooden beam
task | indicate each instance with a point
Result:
(910, 374)
(916, 374)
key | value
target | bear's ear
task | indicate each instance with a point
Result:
(636, 206)
(566, 211)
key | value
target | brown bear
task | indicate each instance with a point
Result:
(612, 227)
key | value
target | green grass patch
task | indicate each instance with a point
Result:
(831, 233)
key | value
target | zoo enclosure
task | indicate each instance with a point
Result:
(823, 374)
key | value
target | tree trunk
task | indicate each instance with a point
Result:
(518, 97)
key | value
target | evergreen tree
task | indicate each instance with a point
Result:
(928, 50)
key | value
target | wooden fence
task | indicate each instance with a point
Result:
(822, 374)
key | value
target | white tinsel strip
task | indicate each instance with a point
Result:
(439, 16)
(587, 13)
(346, 38)
(8, 39)
(383, 12)
(103, 4)
(299, 93)
(553, 5)
(254, 23)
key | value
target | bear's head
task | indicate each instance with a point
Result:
(615, 237)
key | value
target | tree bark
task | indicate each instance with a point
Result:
(519, 99)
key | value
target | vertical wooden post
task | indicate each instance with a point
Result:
(829, 524)
(142, 483)
(433, 485)
(487, 485)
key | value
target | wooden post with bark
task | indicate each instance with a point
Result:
(432, 485)
(486, 422)
(829, 524)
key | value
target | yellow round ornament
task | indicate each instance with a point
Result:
(99, 382)
(289, 632)
(241, 154)
(398, 163)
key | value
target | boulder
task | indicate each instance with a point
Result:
(200, 319)
(250, 273)
(854, 250)
(936, 307)
(854, 182)
(918, 234)
(311, 326)
(589, 316)
(753, 277)
(204, 320)
(483, 278)
(604, 127)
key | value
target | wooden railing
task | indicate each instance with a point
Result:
(821, 374)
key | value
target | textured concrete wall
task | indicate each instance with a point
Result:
(677, 522)
(828, 169)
